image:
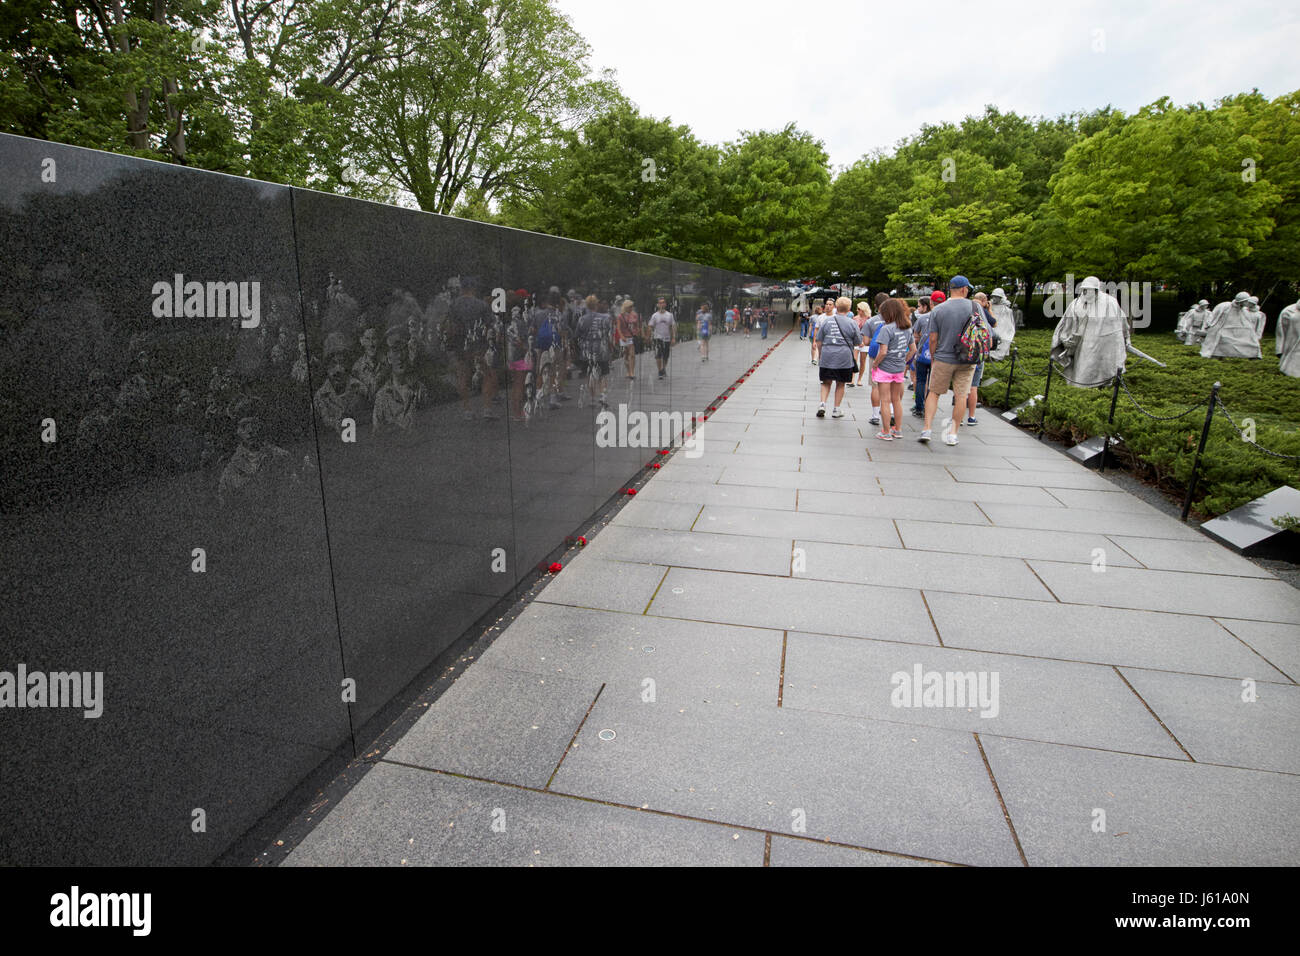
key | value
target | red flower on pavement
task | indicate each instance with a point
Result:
(582, 541)
(631, 491)
(555, 567)
(663, 451)
(656, 466)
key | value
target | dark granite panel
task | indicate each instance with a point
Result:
(173, 429)
(406, 316)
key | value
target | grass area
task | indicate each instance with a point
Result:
(1232, 472)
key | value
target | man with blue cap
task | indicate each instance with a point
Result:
(946, 323)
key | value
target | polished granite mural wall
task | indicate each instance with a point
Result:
(267, 453)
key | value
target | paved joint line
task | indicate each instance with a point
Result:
(1122, 550)
(1238, 637)
(1044, 583)
(780, 684)
(985, 514)
(697, 517)
(1049, 493)
(767, 850)
(656, 593)
(933, 623)
(1006, 814)
(573, 738)
(901, 543)
(1154, 715)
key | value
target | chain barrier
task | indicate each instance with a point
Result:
(1158, 418)
(1260, 448)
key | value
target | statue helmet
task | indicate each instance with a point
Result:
(1240, 297)
(997, 294)
(1091, 282)
(1204, 302)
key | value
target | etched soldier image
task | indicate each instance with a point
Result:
(341, 395)
(1092, 338)
(254, 468)
(301, 371)
(1235, 329)
(366, 369)
(399, 390)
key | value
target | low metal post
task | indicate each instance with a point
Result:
(1047, 394)
(1196, 462)
(1011, 377)
(1110, 419)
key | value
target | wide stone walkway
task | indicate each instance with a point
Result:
(713, 679)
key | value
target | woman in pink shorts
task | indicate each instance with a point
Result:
(889, 367)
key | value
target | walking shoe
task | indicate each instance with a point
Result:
(950, 439)
(925, 436)
(837, 413)
(911, 386)
(848, 385)
(917, 413)
(874, 420)
(884, 436)
(971, 420)
(896, 432)
(821, 410)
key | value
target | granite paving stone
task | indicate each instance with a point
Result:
(1157, 812)
(1218, 720)
(500, 724)
(693, 549)
(1150, 639)
(826, 607)
(1176, 591)
(769, 768)
(1277, 643)
(968, 539)
(588, 581)
(687, 660)
(1087, 705)
(402, 816)
(930, 570)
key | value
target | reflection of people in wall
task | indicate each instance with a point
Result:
(254, 466)
(341, 394)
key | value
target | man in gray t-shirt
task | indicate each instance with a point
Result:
(946, 323)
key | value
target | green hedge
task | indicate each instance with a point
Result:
(1232, 472)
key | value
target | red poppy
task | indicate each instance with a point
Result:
(582, 541)
(663, 451)
(631, 491)
(656, 466)
(555, 567)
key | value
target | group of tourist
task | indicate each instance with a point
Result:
(896, 348)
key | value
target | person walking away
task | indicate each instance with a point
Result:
(861, 360)
(888, 368)
(703, 329)
(817, 319)
(872, 343)
(921, 351)
(947, 321)
(838, 337)
(972, 397)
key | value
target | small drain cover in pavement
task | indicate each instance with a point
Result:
(606, 735)
(649, 648)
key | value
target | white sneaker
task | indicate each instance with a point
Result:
(837, 414)
(950, 439)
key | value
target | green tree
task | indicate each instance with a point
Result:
(1159, 197)
(637, 183)
(473, 95)
(775, 191)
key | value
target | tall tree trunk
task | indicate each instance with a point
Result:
(171, 90)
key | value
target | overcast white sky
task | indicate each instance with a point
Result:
(860, 76)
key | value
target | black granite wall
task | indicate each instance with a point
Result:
(261, 503)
